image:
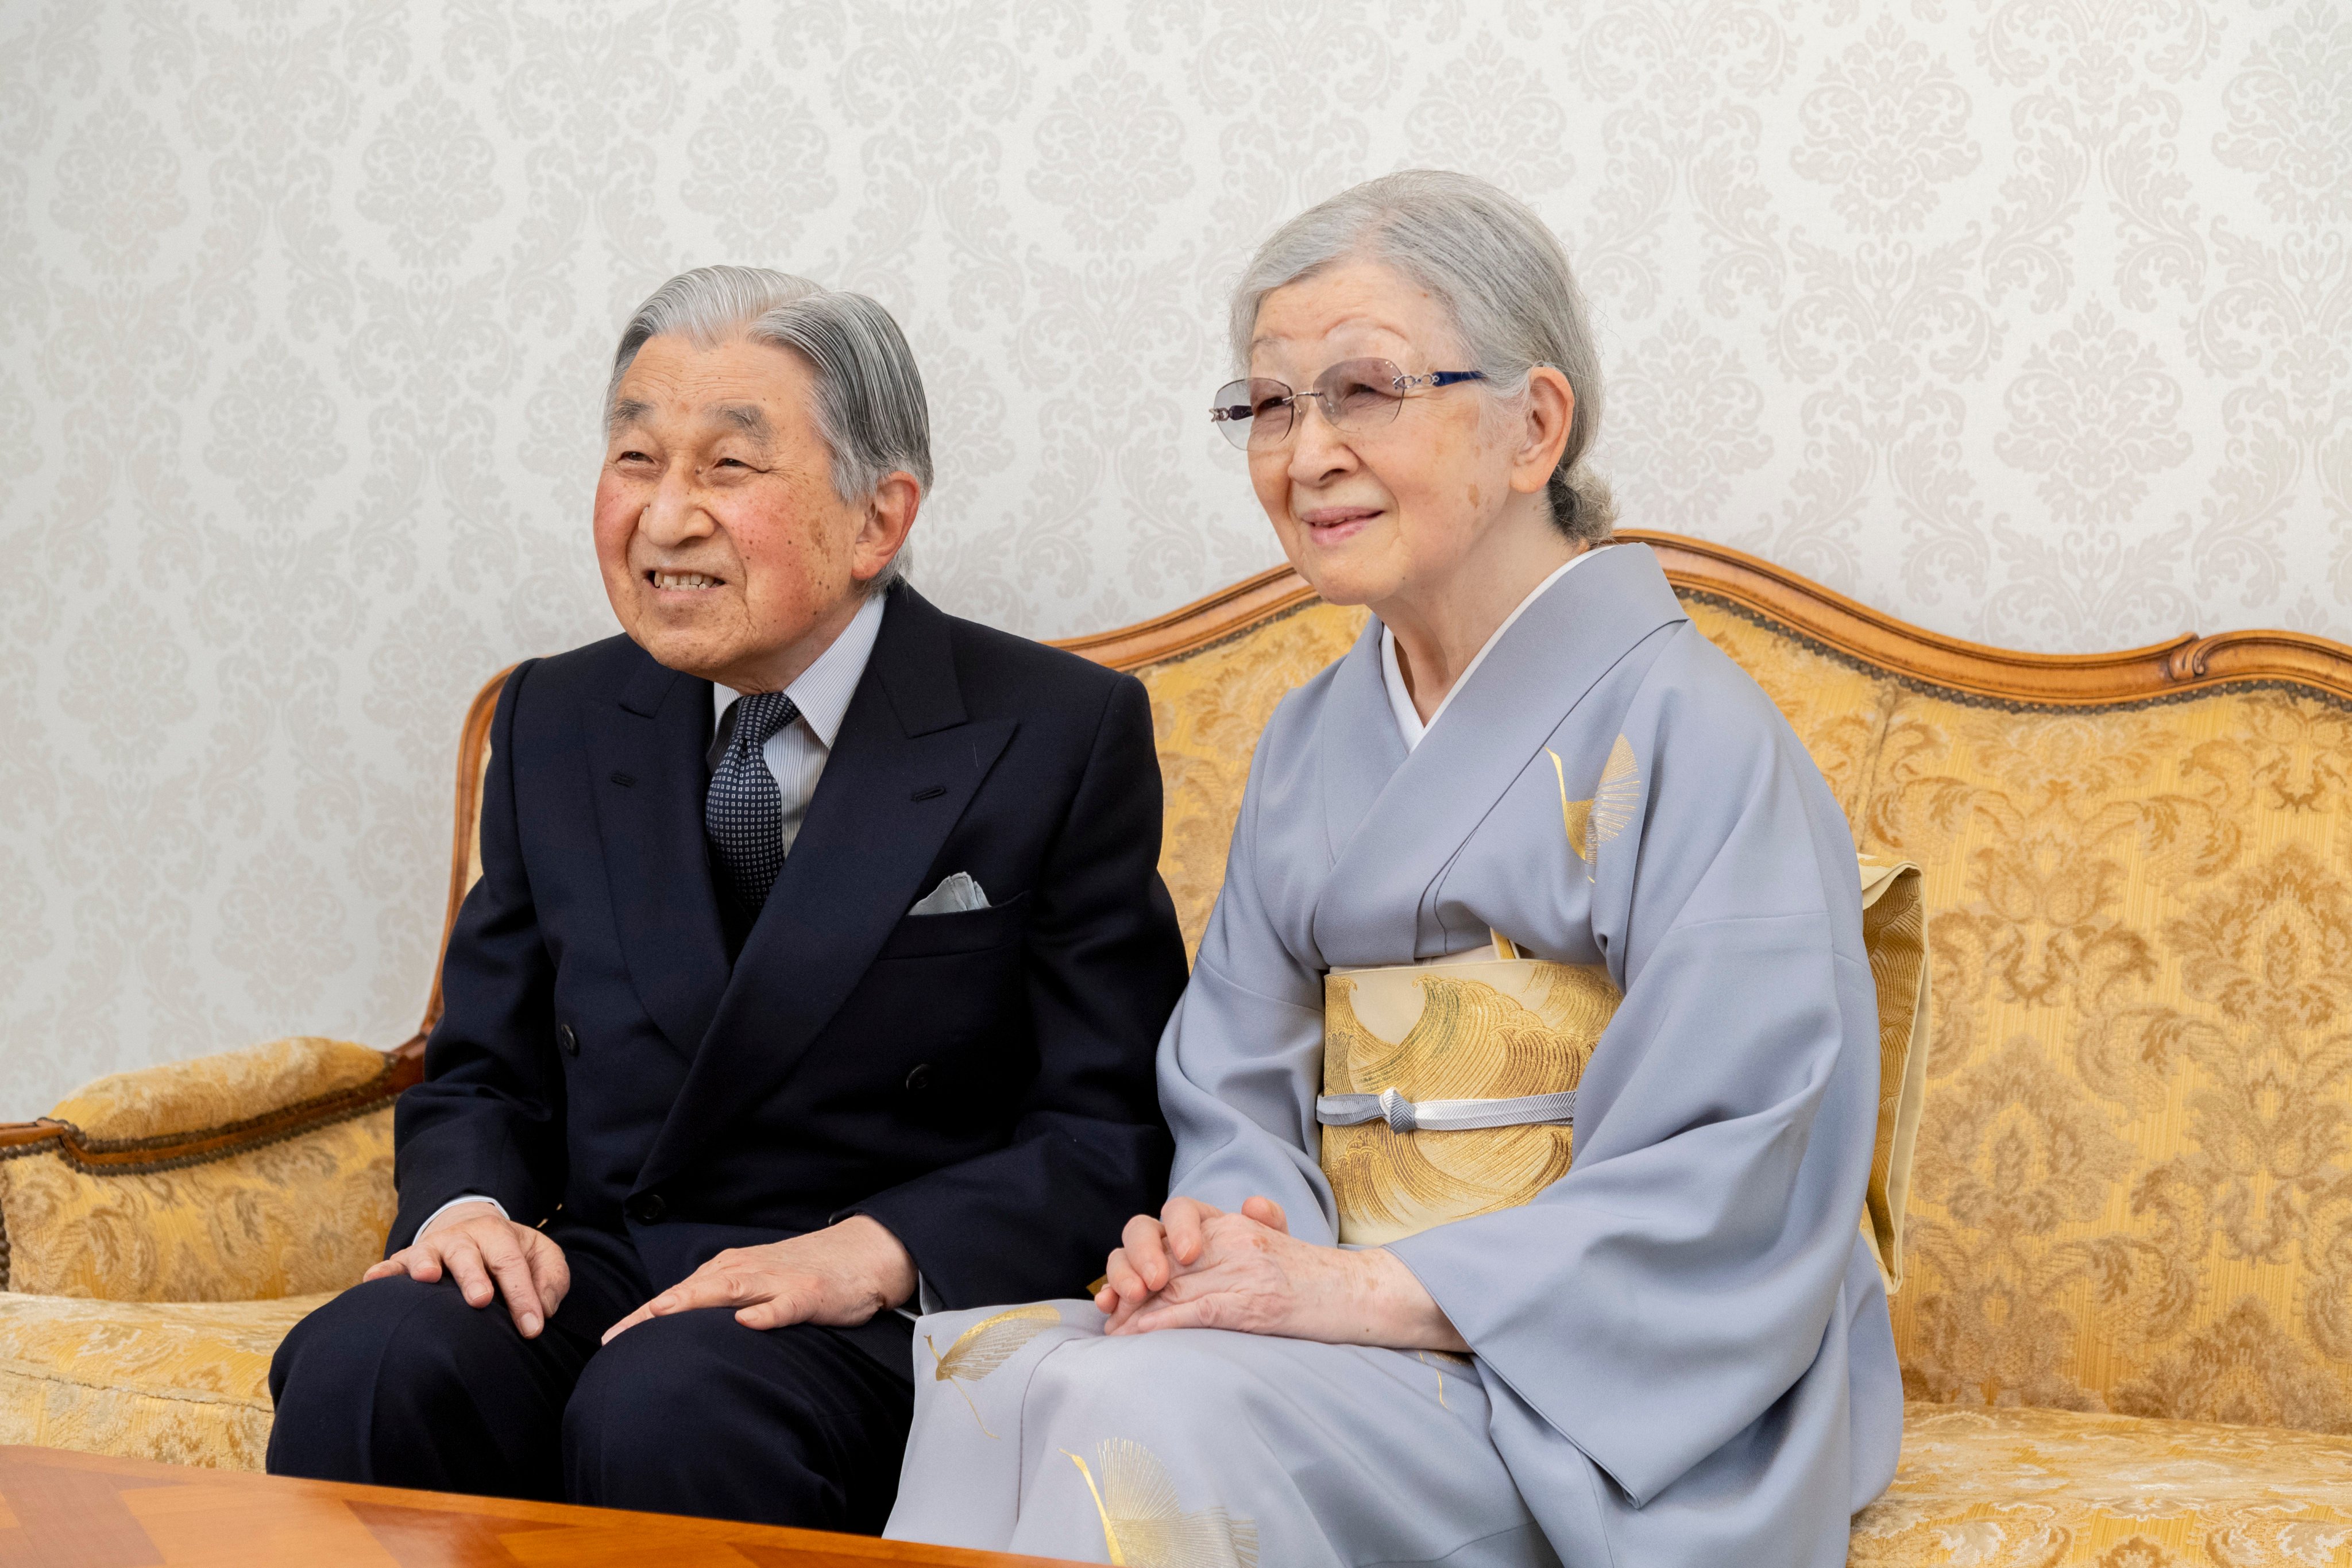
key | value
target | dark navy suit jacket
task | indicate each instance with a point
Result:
(980, 1082)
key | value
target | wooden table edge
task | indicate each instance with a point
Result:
(244, 1489)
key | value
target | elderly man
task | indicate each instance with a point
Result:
(813, 972)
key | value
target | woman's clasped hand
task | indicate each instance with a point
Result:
(1199, 1267)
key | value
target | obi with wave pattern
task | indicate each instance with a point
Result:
(1499, 1029)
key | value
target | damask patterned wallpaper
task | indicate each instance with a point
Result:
(2028, 319)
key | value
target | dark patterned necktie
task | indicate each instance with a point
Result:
(743, 814)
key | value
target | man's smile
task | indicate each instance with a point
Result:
(684, 582)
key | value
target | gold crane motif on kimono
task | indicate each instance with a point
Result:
(1436, 1366)
(987, 1345)
(1144, 1525)
(1471, 1041)
(1591, 823)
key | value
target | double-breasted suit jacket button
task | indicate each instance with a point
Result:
(569, 1041)
(919, 1079)
(648, 1209)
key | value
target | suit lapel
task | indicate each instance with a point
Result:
(853, 872)
(1489, 733)
(649, 786)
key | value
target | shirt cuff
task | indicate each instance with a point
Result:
(926, 1299)
(434, 1218)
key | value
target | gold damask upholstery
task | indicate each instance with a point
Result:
(170, 1098)
(2024, 1488)
(2132, 1185)
(288, 1217)
(1207, 709)
(185, 1382)
(145, 1295)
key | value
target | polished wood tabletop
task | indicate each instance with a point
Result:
(62, 1509)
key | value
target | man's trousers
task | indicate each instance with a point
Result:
(400, 1383)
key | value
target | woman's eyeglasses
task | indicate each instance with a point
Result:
(1356, 394)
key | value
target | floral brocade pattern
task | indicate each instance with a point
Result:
(2049, 1488)
(287, 1219)
(1207, 712)
(176, 1098)
(290, 1218)
(142, 1308)
(2133, 1187)
(185, 1384)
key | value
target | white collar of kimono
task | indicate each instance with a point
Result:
(1408, 719)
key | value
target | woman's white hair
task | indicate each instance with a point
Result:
(1502, 276)
(870, 408)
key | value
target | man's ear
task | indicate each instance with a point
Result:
(890, 518)
(1551, 411)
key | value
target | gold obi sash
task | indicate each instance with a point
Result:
(1449, 1088)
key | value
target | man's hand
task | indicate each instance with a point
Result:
(488, 1255)
(1197, 1266)
(839, 1276)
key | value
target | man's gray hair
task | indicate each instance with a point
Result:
(870, 408)
(1502, 276)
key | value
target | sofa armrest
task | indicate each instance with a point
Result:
(251, 1174)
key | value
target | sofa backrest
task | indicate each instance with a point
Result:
(2132, 1185)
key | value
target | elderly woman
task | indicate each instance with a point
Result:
(1534, 867)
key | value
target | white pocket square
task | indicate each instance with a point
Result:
(954, 895)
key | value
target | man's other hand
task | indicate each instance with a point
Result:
(839, 1276)
(488, 1255)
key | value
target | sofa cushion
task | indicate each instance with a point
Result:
(268, 1216)
(2037, 1488)
(185, 1383)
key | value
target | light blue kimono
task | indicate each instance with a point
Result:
(1683, 1354)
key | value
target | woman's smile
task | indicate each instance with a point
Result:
(1337, 524)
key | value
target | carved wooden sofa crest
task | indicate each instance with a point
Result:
(2126, 1323)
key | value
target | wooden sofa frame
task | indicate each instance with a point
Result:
(1746, 584)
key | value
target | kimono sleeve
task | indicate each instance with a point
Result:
(1658, 1299)
(1243, 1053)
